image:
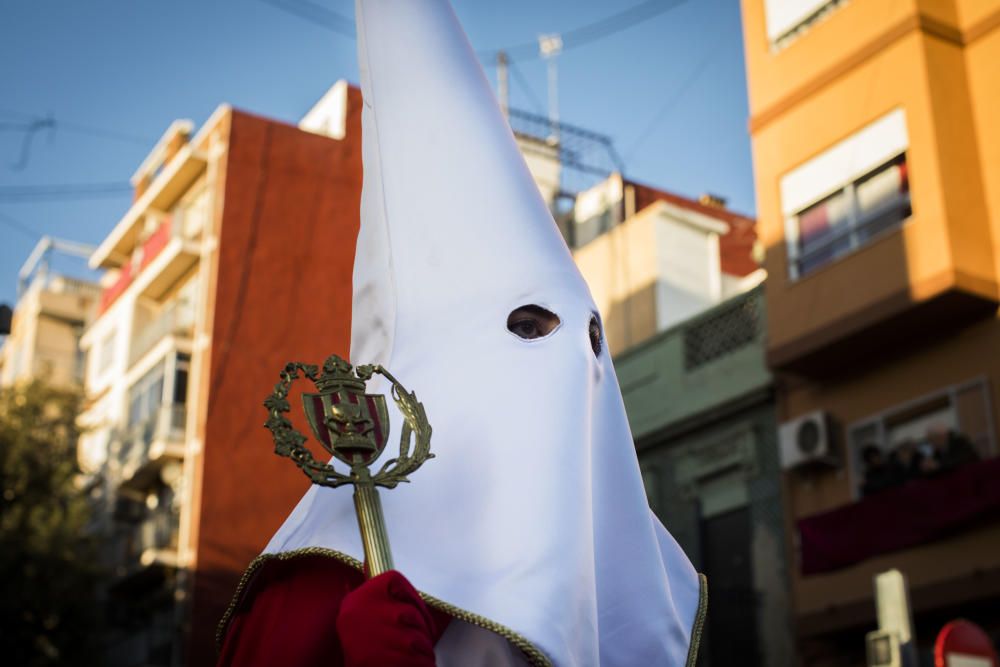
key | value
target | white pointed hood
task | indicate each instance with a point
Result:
(533, 515)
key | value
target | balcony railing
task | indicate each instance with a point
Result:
(180, 224)
(177, 319)
(166, 425)
(723, 330)
(151, 247)
(903, 517)
(665, 379)
(156, 532)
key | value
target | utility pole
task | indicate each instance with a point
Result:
(551, 46)
(503, 85)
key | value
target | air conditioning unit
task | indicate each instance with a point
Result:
(806, 440)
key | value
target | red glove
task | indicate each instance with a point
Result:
(384, 622)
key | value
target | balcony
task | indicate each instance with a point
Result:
(173, 253)
(176, 320)
(907, 516)
(152, 540)
(164, 257)
(680, 375)
(166, 188)
(143, 551)
(147, 446)
(867, 263)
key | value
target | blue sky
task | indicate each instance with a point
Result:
(113, 74)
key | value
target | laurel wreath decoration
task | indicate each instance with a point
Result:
(414, 444)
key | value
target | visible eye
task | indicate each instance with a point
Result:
(525, 328)
(595, 336)
(530, 322)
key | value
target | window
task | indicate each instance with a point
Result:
(181, 367)
(597, 210)
(846, 196)
(145, 397)
(106, 352)
(79, 356)
(904, 432)
(849, 218)
(788, 19)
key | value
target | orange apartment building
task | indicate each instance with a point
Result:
(877, 164)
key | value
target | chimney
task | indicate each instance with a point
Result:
(715, 201)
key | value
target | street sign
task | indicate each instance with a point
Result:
(892, 606)
(882, 649)
(964, 644)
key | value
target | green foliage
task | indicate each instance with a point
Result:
(49, 612)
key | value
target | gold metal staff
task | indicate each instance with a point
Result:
(354, 427)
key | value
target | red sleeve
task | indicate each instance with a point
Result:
(288, 615)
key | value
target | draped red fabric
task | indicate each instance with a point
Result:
(312, 610)
(918, 512)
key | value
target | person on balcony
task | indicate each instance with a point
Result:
(879, 473)
(951, 449)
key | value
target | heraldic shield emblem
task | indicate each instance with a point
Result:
(353, 426)
(349, 423)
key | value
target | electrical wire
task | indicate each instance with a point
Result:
(525, 86)
(18, 226)
(590, 32)
(32, 125)
(673, 99)
(571, 39)
(317, 14)
(78, 128)
(23, 193)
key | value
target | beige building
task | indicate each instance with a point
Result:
(654, 259)
(51, 313)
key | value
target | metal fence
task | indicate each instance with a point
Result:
(724, 330)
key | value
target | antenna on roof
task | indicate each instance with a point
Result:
(551, 46)
(503, 85)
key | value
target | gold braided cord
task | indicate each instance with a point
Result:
(532, 654)
(699, 621)
(259, 562)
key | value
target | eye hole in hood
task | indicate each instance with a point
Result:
(596, 337)
(532, 322)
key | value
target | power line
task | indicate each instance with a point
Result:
(525, 86)
(580, 36)
(23, 193)
(590, 32)
(78, 128)
(317, 14)
(30, 129)
(104, 134)
(673, 99)
(33, 124)
(19, 226)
